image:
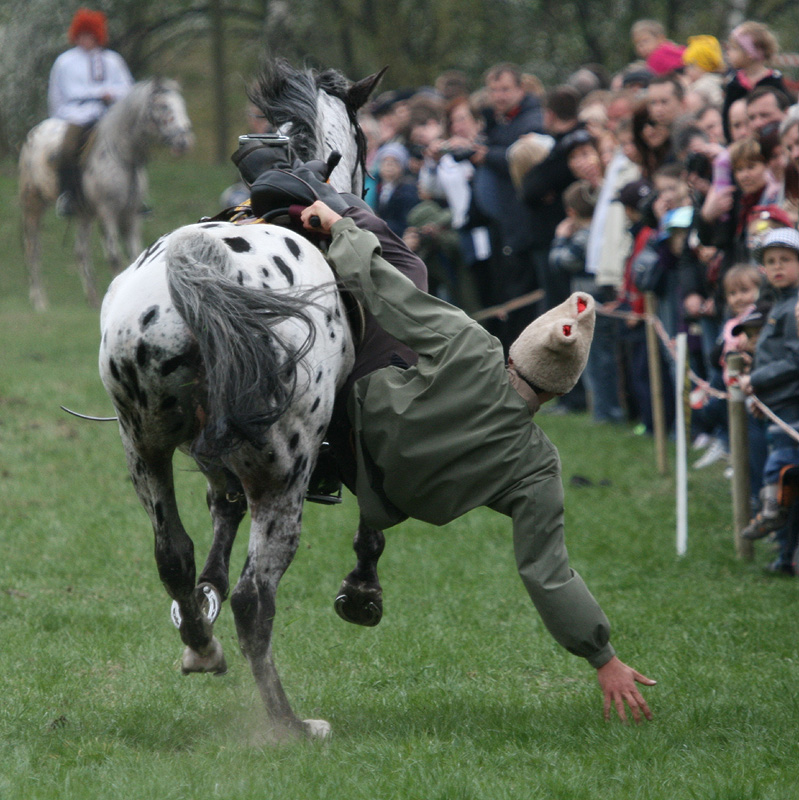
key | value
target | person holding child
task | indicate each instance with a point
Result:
(724, 216)
(568, 249)
(750, 47)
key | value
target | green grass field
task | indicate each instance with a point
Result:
(459, 694)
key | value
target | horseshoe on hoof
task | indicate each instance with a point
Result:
(358, 612)
(210, 605)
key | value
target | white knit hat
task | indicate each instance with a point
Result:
(552, 351)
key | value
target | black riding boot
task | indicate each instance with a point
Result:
(325, 484)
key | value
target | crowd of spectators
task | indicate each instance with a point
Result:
(661, 179)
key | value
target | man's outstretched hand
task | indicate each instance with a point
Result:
(618, 685)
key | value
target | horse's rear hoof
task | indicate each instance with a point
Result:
(212, 661)
(317, 728)
(359, 605)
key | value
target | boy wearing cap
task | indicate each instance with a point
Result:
(455, 432)
(775, 375)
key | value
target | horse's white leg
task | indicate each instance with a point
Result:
(110, 228)
(32, 209)
(274, 537)
(130, 232)
(84, 257)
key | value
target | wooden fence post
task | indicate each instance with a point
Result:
(656, 384)
(739, 456)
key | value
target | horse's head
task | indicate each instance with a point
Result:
(319, 112)
(169, 121)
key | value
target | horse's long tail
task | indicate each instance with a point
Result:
(250, 365)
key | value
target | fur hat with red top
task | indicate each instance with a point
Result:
(88, 21)
(552, 351)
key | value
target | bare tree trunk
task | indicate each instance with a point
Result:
(736, 13)
(217, 19)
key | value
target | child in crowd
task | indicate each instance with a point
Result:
(526, 152)
(774, 378)
(568, 248)
(656, 267)
(763, 219)
(750, 48)
(741, 291)
(396, 193)
(661, 55)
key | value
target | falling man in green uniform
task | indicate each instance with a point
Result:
(454, 432)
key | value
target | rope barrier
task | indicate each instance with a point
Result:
(501, 311)
(610, 310)
(670, 345)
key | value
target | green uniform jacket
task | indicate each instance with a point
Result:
(451, 434)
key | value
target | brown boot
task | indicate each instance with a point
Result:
(772, 516)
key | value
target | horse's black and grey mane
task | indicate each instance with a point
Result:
(288, 99)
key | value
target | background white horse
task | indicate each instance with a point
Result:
(114, 180)
(230, 341)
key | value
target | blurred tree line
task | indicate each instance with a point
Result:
(417, 39)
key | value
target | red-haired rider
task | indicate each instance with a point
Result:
(84, 82)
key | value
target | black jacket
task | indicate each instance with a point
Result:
(511, 214)
(544, 184)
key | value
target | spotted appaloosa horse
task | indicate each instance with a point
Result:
(114, 181)
(230, 341)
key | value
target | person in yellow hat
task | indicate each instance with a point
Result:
(703, 67)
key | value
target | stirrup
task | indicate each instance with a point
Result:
(325, 499)
(324, 485)
(211, 605)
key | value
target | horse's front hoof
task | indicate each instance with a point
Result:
(359, 605)
(213, 660)
(210, 604)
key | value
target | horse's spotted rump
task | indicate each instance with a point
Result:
(293, 247)
(149, 317)
(237, 244)
(142, 354)
(184, 359)
(285, 269)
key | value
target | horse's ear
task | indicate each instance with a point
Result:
(360, 91)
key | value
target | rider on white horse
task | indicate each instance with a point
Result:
(84, 82)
